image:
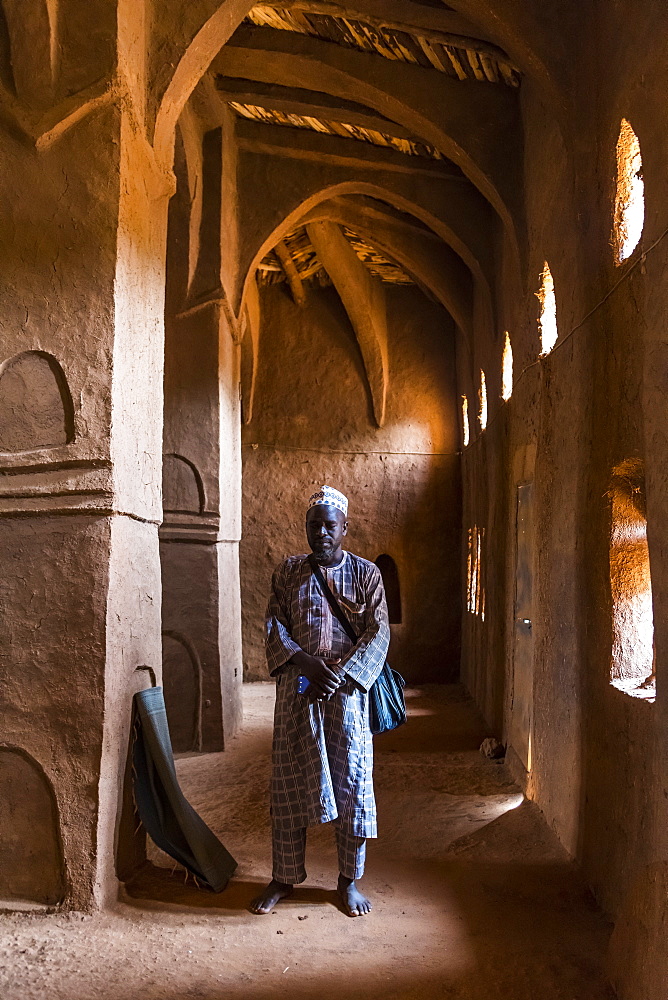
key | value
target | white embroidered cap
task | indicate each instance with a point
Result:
(331, 497)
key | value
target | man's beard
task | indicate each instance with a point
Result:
(323, 553)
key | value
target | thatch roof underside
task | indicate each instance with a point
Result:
(309, 268)
(375, 261)
(411, 147)
(463, 59)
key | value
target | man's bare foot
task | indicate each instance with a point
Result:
(267, 900)
(354, 903)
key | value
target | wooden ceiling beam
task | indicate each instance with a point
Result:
(303, 144)
(307, 103)
(478, 128)
(291, 273)
(443, 27)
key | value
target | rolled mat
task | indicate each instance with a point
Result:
(168, 817)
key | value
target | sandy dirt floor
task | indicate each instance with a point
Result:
(473, 897)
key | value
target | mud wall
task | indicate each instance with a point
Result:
(598, 765)
(313, 423)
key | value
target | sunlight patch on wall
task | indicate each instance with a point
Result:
(632, 660)
(466, 430)
(482, 401)
(630, 197)
(507, 369)
(475, 591)
(547, 321)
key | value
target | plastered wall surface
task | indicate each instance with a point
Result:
(91, 155)
(312, 424)
(599, 767)
(50, 712)
(83, 215)
(201, 478)
(190, 617)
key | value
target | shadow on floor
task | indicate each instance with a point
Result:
(474, 899)
(160, 885)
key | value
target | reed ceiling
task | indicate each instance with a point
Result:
(458, 57)
(309, 268)
(411, 147)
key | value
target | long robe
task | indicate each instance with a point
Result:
(322, 761)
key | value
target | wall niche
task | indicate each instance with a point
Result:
(182, 684)
(35, 404)
(182, 489)
(31, 858)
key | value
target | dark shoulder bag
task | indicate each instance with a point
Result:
(387, 706)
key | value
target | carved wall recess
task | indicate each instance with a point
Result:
(31, 861)
(182, 685)
(36, 408)
(182, 487)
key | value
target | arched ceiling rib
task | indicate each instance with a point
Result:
(408, 253)
(448, 211)
(305, 261)
(535, 35)
(420, 253)
(474, 125)
(430, 89)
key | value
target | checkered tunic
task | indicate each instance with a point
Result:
(323, 750)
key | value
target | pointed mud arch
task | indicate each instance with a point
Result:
(335, 69)
(476, 128)
(363, 298)
(371, 190)
(455, 214)
(420, 253)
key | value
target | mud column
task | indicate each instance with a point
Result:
(201, 474)
(80, 456)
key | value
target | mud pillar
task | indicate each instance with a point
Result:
(80, 458)
(201, 475)
(199, 539)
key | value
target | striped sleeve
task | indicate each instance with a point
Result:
(279, 644)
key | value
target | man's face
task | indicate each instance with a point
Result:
(325, 529)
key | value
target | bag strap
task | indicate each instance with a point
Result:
(332, 601)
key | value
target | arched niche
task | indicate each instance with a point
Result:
(390, 574)
(182, 487)
(630, 195)
(35, 404)
(31, 857)
(632, 668)
(182, 685)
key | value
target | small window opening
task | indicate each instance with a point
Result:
(475, 596)
(466, 430)
(547, 321)
(632, 667)
(630, 197)
(507, 369)
(482, 401)
(390, 574)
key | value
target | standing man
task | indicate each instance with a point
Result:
(322, 758)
